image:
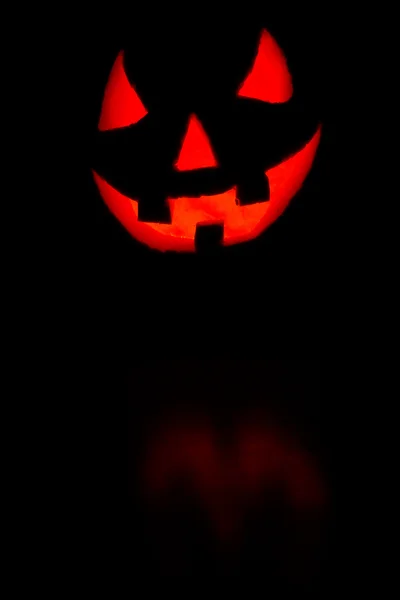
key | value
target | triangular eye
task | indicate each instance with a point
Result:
(196, 151)
(269, 79)
(121, 104)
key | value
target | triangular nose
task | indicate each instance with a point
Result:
(196, 151)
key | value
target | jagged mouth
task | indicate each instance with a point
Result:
(189, 213)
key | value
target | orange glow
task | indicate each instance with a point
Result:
(241, 223)
(196, 151)
(232, 479)
(269, 80)
(121, 105)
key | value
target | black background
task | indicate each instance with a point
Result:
(139, 313)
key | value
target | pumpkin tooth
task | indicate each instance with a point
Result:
(253, 190)
(209, 237)
(154, 210)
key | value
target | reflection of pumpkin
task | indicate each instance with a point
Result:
(232, 486)
(241, 192)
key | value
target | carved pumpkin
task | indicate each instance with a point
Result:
(192, 162)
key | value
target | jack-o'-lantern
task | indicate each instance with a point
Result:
(211, 154)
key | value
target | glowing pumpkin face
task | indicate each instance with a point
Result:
(188, 164)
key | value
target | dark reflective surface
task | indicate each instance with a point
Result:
(229, 475)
